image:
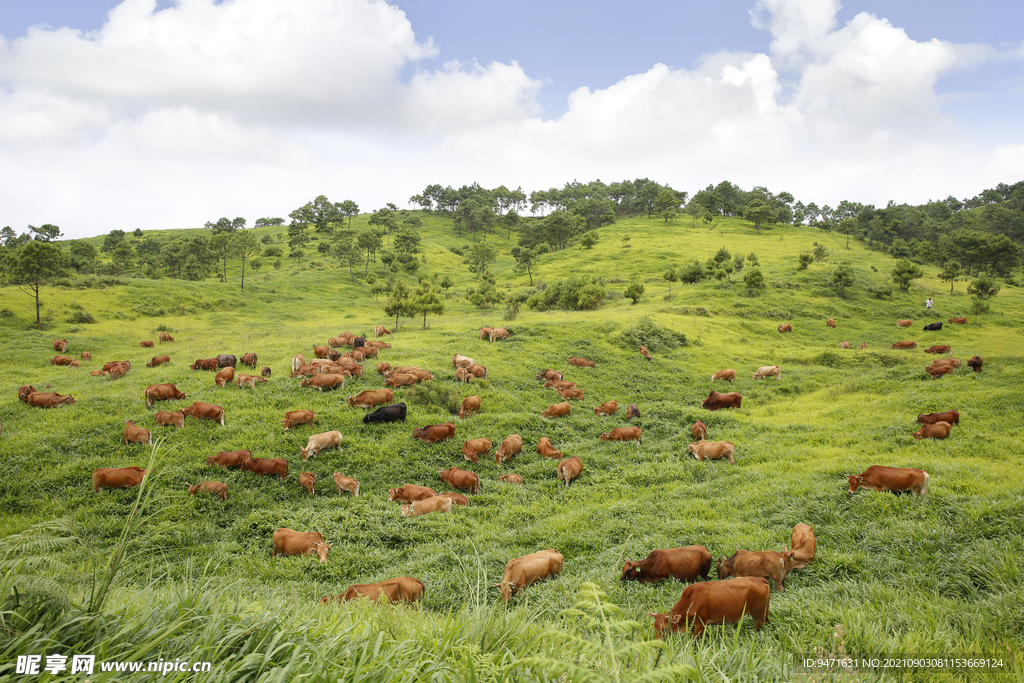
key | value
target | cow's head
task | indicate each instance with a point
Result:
(725, 568)
(919, 434)
(321, 549)
(327, 599)
(247, 465)
(392, 493)
(407, 510)
(856, 481)
(604, 437)
(631, 570)
(663, 622)
(192, 489)
(694, 449)
(507, 588)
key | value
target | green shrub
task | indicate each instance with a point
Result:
(6, 313)
(81, 317)
(448, 397)
(652, 335)
(574, 293)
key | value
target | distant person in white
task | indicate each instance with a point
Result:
(928, 303)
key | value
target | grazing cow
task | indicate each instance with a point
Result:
(766, 563)
(298, 361)
(118, 371)
(407, 493)
(958, 321)
(863, 345)
(937, 371)
(204, 364)
(484, 332)
(700, 430)
(785, 327)
(545, 448)
(716, 602)
(364, 352)
(396, 381)
(38, 399)
(716, 401)
(86, 355)
(478, 371)
(225, 360)
(938, 430)
(623, 434)
(146, 344)
(265, 372)
(582, 362)
(249, 381)
(307, 480)
(768, 371)
(346, 484)
(358, 342)
(512, 478)
(322, 381)
(228, 459)
(350, 369)
(509, 447)
(607, 408)
(392, 413)
(571, 394)
(377, 345)
(895, 479)
(60, 360)
(133, 434)
(371, 398)
(164, 337)
(117, 477)
(472, 449)
(950, 416)
(224, 376)
(904, 323)
(321, 351)
(933, 327)
(262, 466)
(831, 322)
(299, 417)
(60, 345)
(569, 469)
(461, 361)
(632, 411)
(844, 344)
(645, 353)
(434, 433)
(559, 384)
(463, 375)
(498, 333)
(380, 331)
(250, 359)
(383, 368)
(976, 363)
(939, 349)
(217, 488)
(683, 564)
(157, 361)
(457, 498)
(802, 545)
(527, 570)
(548, 373)
(403, 589)
(126, 364)
(729, 374)
(205, 411)
(290, 542)
(903, 345)
(955, 362)
(426, 506)
(335, 342)
(713, 450)
(170, 418)
(469, 405)
(557, 410)
(460, 479)
(319, 442)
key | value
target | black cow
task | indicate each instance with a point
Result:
(358, 341)
(390, 413)
(333, 355)
(933, 327)
(226, 359)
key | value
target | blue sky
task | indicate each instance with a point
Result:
(206, 109)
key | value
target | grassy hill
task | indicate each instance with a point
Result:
(894, 574)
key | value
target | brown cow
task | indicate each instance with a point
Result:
(632, 411)
(170, 418)
(498, 333)
(729, 374)
(511, 478)
(460, 479)
(249, 381)
(484, 332)
(380, 331)
(955, 362)
(461, 361)
(217, 488)
(346, 484)
(457, 498)
(38, 399)
(569, 469)
(307, 480)
(99, 373)
(228, 459)
(863, 345)
(938, 430)
(164, 337)
(323, 381)
(683, 564)
(305, 371)
(426, 506)
(545, 448)
(319, 442)
(371, 398)
(261, 466)
(509, 447)
(582, 362)
(557, 410)
(975, 363)
(700, 430)
(382, 368)
(463, 375)
(146, 344)
(299, 417)
(407, 493)
(950, 416)
(321, 351)
(715, 400)
(60, 360)
(527, 570)
(335, 342)
(559, 384)
(117, 371)
(371, 344)
(205, 411)
(904, 323)
(290, 542)
(939, 349)
(265, 372)
(645, 353)
(958, 321)
(249, 359)
(844, 344)
(713, 450)
(571, 394)
(766, 563)
(716, 602)
(469, 405)
(298, 361)
(548, 374)
(60, 345)
(607, 408)
(224, 376)
(937, 371)
(117, 477)
(785, 327)
(802, 544)
(403, 589)
(133, 434)
(157, 361)
(478, 371)
(472, 449)
(401, 380)
(831, 322)
(768, 371)
(127, 364)
(86, 355)
(623, 434)
(434, 433)
(893, 479)
(204, 364)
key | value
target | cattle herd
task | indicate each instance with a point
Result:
(743, 579)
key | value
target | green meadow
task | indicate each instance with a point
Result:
(934, 575)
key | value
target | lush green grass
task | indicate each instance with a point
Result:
(939, 574)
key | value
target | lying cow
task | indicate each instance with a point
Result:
(607, 408)
(266, 466)
(713, 450)
(557, 410)
(950, 416)
(716, 602)
(61, 360)
(559, 384)
(545, 448)
(117, 477)
(510, 446)
(407, 493)
(146, 344)
(228, 459)
(512, 478)
(403, 589)
(569, 469)
(157, 361)
(938, 430)
(582, 362)
(392, 413)
(802, 544)
(460, 479)
(684, 564)
(217, 488)
(623, 434)
(39, 399)
(944, 348)
(472, 449)
(527, 570)
(895, 479)
(904, 345)
(937, 371)
(319, 442)
(716, 401)
(427, 505)
(549, 374)
(766, 563)
(290, 542)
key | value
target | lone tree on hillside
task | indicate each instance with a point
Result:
(34, 266)
(245, 246)
(220, 244)
(400, 302)
(671, 275)
(843, 277)
(905, 272)
(805, 260)
(634, 291)
(847, 227)
(983, 288)
(427, 299)
(526, 258)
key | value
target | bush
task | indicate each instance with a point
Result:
(6, 313)
(458, 251)
(445, 396)
(575, 293)
(879, 291)
(634, 291)
(652, 335)
(81, 317)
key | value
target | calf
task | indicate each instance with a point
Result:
(457, 498)
(265, 372)
(831, 322)
(346, 484)
(261, 466)
(729, 374)
(392, 413)
(307, 480)
(383, 368)
(623, 434)
(249, 381)
(434, 433)
(228, 459)
(904, 323)
(407, 493)
(426, 506)
(766, 563)
(975, 363)
(86, 355)
(545, 448)
(60, 345)
(319, 442)
(157, 361)
(170, 418)
(299, 417)
(569, 469)
(117, 477)
(700, 430)
(713, 450)
(217, 488)
(950, 416)
(403, 589)
(527, 570)
(478, 371)
(682, 564)
(472, 449)
(768, 371)
(133, 434)
(470, 404)
(511, 478)
(557, 410)
(785, 327)
(463, 375)
(460, 479)
(895, 479)
(938, 349)
(844, 344)
(645, 353)
(224, 376)
(632, 411)
(509, 447)
(289, 542)
(582, 362)
(938, 430)
(716, 602)
(802, 544)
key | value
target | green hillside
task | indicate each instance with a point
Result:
(895, 574)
